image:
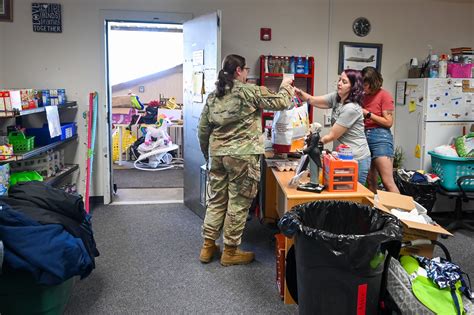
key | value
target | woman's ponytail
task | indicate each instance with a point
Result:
(226, 75)
(224, 79)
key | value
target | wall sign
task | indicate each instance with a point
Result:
(46, 17)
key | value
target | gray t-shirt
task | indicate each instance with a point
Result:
(350, 116)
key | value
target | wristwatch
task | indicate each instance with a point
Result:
(367, 116)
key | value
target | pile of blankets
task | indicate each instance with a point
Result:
(47, 233)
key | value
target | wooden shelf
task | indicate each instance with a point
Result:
(17, 113)
(54, 180)
(37, 151)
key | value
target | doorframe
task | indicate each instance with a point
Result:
(105, 137)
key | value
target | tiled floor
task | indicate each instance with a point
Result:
(144, 196)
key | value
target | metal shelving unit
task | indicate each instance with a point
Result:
(37, 151)
(54, 180)
(17, 113)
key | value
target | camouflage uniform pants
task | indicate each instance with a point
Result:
(232, 186)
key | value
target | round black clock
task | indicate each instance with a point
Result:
(361, 26)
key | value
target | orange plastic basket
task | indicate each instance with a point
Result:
(340, 175)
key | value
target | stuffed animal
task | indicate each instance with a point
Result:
(160, 133)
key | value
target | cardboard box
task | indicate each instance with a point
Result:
(392, 200)
(411, 230)
(121, 101)
(11, 100)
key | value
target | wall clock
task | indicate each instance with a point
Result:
(361, 26)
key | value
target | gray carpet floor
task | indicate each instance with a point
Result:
(149, 264)
(133, 178)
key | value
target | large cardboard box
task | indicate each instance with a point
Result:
(121, 101)
(411, 230)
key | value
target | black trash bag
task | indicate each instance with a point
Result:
(340, 251)
(423, 193)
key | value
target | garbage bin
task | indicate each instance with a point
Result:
(423, 193)
(340, 250)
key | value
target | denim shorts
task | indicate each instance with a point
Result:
(364, 166)
(380, 142)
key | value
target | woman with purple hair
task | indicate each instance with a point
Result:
(347, 120)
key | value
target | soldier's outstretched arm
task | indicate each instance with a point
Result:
(267, 99)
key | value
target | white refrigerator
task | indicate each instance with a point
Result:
(430, 113)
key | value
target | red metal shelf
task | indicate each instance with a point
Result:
(268, 76)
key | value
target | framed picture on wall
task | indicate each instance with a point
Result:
(6, 10)
(359, 55)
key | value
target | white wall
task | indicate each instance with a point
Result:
(73, 59)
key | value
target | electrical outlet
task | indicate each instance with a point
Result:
(327, 120)
(141, 89)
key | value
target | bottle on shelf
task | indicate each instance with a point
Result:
(300, 65)
(270, 63)
(287, 64)
(292, 64)
(443, 66)
(306, 65)
(434, 66)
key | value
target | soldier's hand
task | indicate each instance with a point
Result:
(287, 80)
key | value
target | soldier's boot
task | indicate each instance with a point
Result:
(232, 255)
(209, 248)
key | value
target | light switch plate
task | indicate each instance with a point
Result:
(141, 89)
(327, 120)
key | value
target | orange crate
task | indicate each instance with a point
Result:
(340, 175)
(280, 263)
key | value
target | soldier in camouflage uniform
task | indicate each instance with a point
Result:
(230, 136)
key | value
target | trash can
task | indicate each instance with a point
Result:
(423, 193)
(340, 249)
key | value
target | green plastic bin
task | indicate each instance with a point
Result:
(19, 294)
(26, 176)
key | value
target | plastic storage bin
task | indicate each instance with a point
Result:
(449, 169)
(43, 137)
(20, 295)
(340, 175)
(20, 142)
(26, 176)
(459, 70)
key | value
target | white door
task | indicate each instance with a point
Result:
(202, 58)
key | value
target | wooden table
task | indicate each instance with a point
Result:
(284, 198)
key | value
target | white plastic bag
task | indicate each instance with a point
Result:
(290, 126)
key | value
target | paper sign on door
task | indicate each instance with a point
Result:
(418, 151)
(411, 106)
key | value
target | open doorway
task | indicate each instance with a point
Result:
(145, 62)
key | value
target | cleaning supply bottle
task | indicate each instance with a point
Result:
(434, 66)
(443, 66)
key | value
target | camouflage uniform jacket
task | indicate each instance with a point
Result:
(232, 125)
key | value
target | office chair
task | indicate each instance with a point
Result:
(461, 221)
